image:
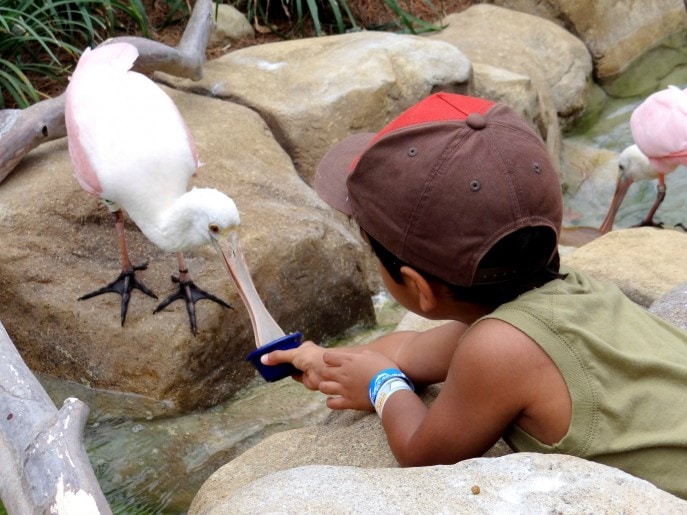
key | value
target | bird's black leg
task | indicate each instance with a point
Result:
(190, 293)
(127, 280)
(649, 218)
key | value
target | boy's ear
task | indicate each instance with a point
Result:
(427, 299)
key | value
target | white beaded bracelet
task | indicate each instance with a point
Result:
(390, 387)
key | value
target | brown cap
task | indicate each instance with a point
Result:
(443, 182)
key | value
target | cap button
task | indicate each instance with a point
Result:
(476, 121)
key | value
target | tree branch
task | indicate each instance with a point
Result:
(43, 462)
(22, 130)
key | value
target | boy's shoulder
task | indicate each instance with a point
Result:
(500, 364)
(499, 348)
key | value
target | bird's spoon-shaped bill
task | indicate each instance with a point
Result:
(265, 329)
(268, 335)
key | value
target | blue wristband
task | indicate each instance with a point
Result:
(382, 377)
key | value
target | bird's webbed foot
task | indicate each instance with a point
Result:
(191, 294)
(649, 223)
(123, 285)
(681, 226)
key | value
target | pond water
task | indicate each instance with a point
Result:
(150, 465)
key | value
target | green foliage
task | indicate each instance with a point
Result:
(330, 16)
(41, 40)
(44, 38)
(407, 22)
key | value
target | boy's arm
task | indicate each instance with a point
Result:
(493, 381)
(423, 356)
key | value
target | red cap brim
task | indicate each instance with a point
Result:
(334, 168)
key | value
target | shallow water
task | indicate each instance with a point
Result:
(155, 465)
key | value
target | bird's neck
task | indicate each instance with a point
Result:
(169, 227)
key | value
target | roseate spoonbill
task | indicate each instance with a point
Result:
(130, 147)
(659, 130)
(633, 166)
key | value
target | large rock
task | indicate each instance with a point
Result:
(557, 63)
(230, 25)
(619, 34)
(523, 483)
(345, 464)
(346, 438)
(507, 87)
(646, 263)
(314, 92)
(59, 243)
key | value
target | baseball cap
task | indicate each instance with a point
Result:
(443, 182)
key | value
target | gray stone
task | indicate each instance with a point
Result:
(646, 263)
(507, 87)
(314, 92)
(230, 25)
(557, 63)
(345, 438)
(524, 483)
(618, 33)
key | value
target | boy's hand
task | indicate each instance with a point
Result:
(307, 358)
(347, 377)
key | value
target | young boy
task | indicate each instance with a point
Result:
(460, 202)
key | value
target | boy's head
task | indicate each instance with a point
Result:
(443, 183)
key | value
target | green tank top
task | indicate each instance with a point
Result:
(626, 371)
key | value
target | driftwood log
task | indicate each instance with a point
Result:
(43, 463)
(22, 130)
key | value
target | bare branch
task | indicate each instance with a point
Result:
(23, 130)
(43, 462)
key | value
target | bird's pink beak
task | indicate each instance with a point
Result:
(621, 188)
(265, 329)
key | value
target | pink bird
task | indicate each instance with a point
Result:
(130, 147)
(659, 130)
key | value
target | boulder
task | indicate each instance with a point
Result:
(644, 262)
(620, 34)
(59, 243)
(557, 63)
(314, 92)
(230, 25)
(507, 87)
(522, 483)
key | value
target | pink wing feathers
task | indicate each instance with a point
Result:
(659, 128)
(114, 58)
(96, 71)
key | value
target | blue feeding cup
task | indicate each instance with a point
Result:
(268, 335)
(275, 372)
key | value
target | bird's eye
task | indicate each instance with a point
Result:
(214, 228)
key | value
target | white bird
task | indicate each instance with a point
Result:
(633, 166)
(131, 147)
